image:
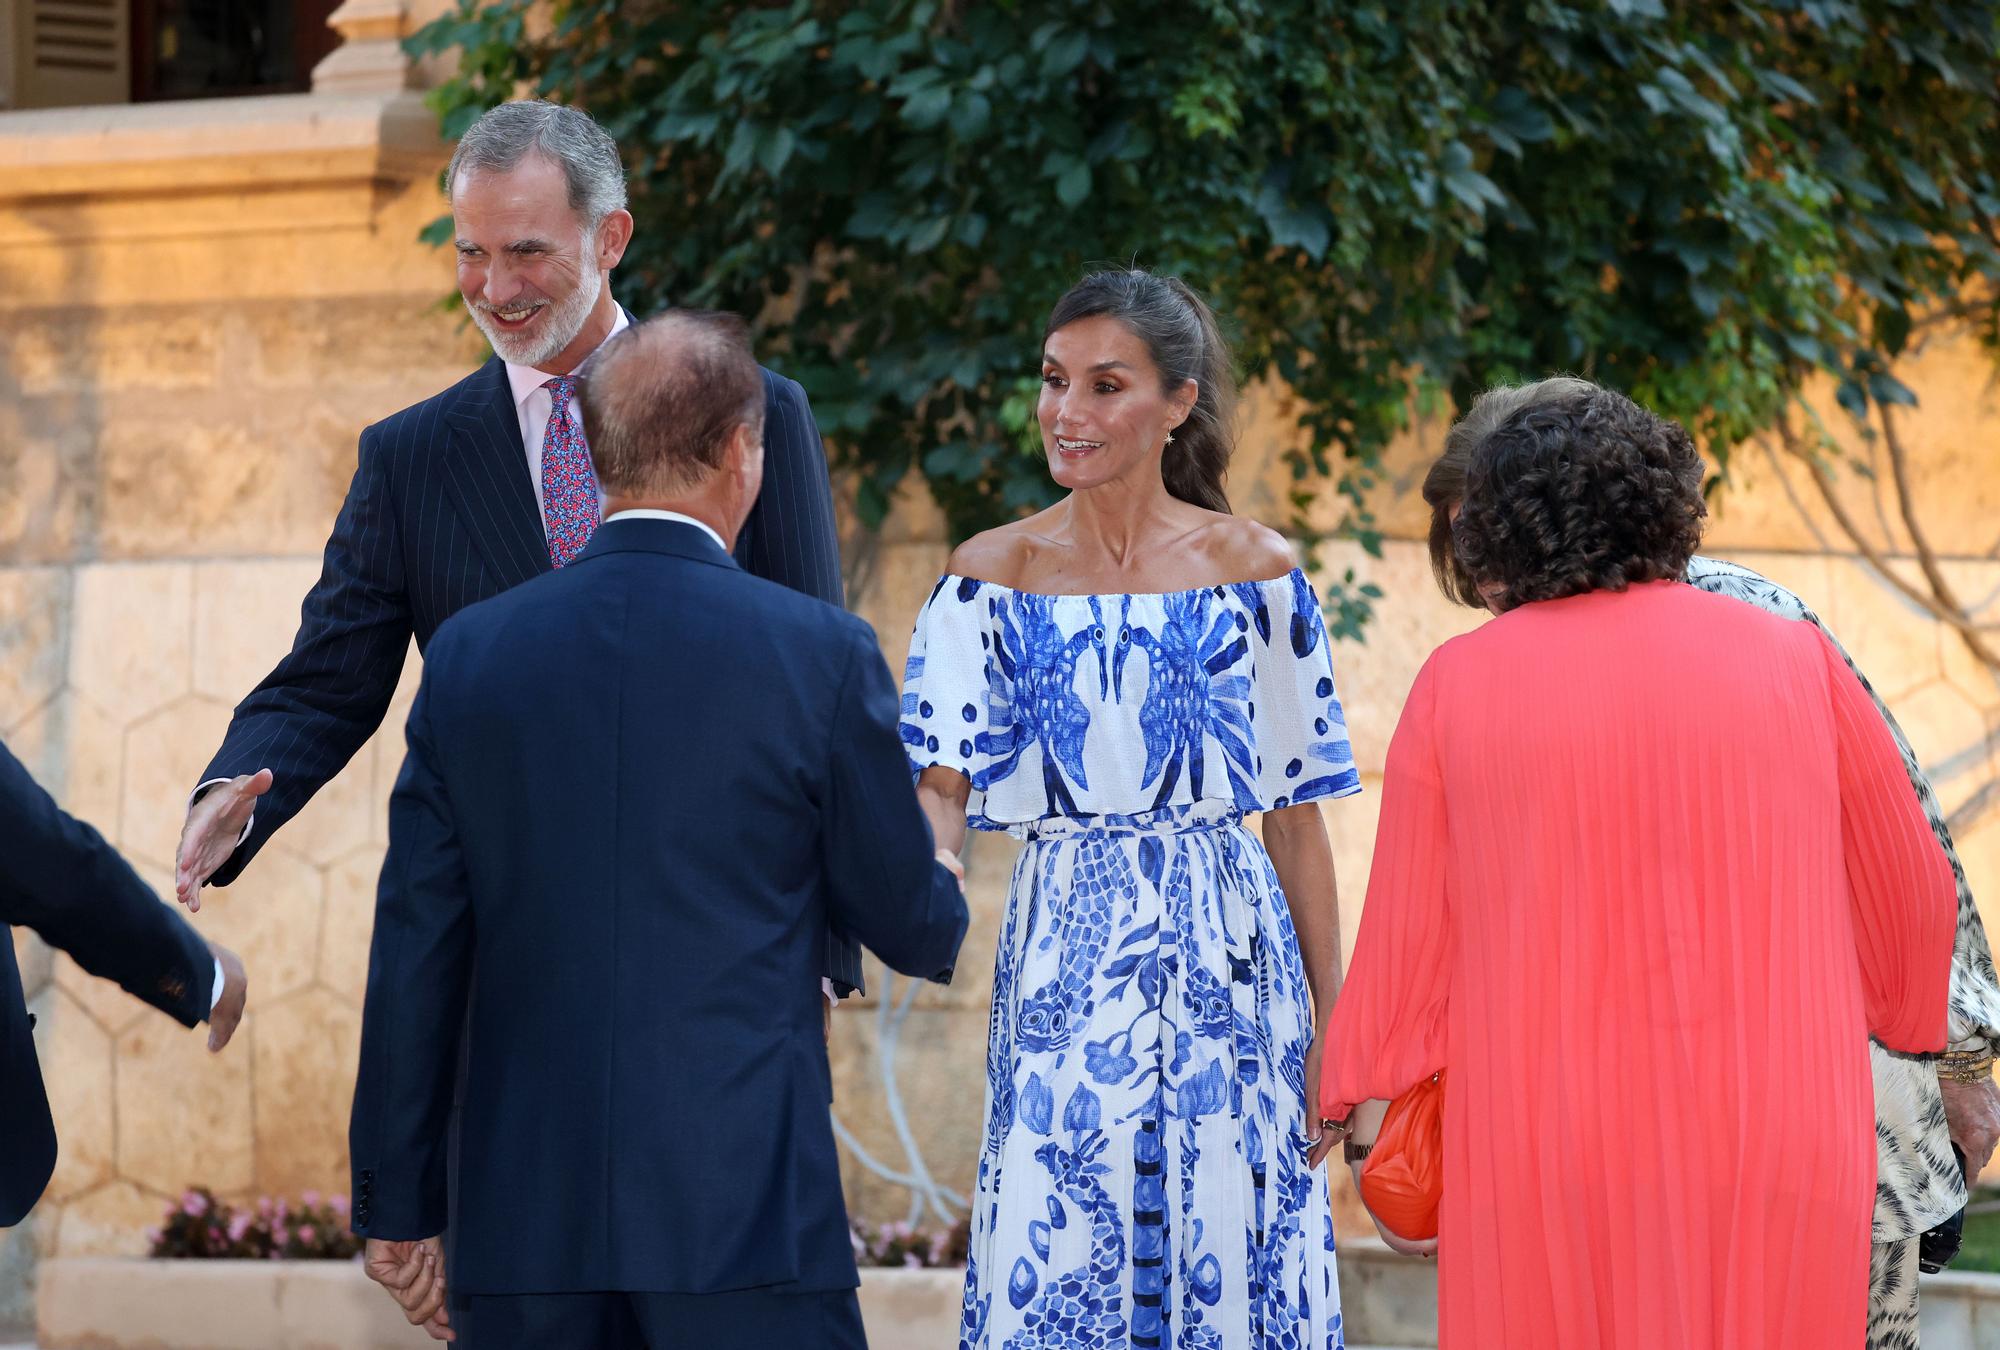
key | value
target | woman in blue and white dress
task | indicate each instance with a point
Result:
(1119, 680)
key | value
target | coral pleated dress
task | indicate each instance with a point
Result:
(1649, 873)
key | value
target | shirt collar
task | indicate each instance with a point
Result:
(525, 380)
(650, 513)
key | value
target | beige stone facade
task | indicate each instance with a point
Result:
(200, 307)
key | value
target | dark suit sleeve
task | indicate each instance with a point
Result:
(419, 974)
(790, 536)
(790, 539)
(887, 887)
(324, 700)
(62, 880)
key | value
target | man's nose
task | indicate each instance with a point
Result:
(502, 284)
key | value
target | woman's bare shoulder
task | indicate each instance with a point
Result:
(1241, 549)
(1000, 555)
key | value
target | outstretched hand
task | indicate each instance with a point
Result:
(215, 822)
(413, 1273)
(228, 1009)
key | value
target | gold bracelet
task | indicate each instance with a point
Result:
(1964, 1066)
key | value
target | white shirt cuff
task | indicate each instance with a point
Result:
(215, 995)
(826, 987)
(200, 788)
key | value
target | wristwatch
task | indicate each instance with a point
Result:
(1355, 1152)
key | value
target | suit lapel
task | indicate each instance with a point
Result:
(486, 472)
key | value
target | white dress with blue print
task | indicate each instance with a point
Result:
(1142, 1180)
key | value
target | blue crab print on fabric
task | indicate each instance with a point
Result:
(1192, 694)
(1038, 665)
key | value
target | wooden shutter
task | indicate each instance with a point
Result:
(72, 52)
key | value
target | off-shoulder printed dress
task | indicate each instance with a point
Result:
(1142, 1180)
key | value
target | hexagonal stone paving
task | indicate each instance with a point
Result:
(307, 1048)
(132, 635)
(183, 1114)
(76, 1057)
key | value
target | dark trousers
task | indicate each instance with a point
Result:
(748, 1319)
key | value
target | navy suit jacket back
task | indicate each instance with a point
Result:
(636, 792)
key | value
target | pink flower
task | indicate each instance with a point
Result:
(310, 1199)
(238, 1227)
(153, 1236)
(194, 1204)
(308, 1234)
(264, 1205)
(912, 1261)
(339, 1204)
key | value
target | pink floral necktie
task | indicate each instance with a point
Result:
(569, 484)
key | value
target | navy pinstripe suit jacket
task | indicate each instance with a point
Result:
(440, 515)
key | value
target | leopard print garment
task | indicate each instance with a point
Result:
(1918, 1181)
(1892, 1296)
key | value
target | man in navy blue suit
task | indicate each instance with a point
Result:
(62, 880)
(637, 790)
(484, 486)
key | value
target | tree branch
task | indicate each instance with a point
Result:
(1930, 604)
(1954, 610)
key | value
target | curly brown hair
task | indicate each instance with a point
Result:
(1579, 490)
(1444, 485)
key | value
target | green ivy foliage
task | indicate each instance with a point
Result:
(1701, 203)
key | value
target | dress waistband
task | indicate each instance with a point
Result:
(1194, 819)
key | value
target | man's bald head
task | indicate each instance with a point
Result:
(662, 402)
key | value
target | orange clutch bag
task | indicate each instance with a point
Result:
(1402, 1178)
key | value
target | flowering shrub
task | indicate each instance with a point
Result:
(901, 1244)
(199, 1225)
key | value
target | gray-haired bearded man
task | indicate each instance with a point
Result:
(485, 486)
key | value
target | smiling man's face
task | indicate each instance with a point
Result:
(530, 267)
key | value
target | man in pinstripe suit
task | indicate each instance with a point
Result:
(484, 486)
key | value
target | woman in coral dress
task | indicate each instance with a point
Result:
(1648, 868)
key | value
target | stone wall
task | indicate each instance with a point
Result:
(186, 357)
(182, 376)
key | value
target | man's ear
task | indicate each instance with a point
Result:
(613, 234)
(750, 443)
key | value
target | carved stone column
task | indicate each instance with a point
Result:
(370, 58)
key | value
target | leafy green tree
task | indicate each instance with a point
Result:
(1703, 203)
